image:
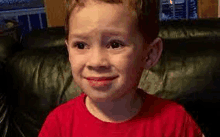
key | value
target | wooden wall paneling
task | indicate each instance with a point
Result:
(55, 10)
(207, 8)
(218, 8)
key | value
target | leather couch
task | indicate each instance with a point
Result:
(36, 76)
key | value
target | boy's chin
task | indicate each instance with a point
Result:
(105, 96)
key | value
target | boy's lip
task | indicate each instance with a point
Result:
(101, 78)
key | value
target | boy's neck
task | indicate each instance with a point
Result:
(116, 111)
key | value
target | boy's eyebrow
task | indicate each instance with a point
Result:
(117, 33)
(78, 36)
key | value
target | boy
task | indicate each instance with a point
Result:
(110, 43)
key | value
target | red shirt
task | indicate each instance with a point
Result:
(157, 118)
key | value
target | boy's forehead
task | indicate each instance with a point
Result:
(102, 20)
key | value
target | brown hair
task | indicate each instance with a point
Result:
(146, 11)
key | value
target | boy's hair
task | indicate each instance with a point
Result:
(146, 11)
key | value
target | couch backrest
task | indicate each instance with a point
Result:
(189, 61)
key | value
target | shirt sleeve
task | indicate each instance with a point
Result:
(50, 127)
(191, 128)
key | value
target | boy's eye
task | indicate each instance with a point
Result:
(116, 44)
(79, 45)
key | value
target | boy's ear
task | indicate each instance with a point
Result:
(154, 52)
(66, 42)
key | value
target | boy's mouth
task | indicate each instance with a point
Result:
(100, 81)
(100, 78)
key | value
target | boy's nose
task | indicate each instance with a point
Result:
(98, 59)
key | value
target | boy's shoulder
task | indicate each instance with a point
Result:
(166, 110)
(163, 103)
(157, 105)
(172, 114)
(154, 101)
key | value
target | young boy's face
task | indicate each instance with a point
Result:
(105, 45)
